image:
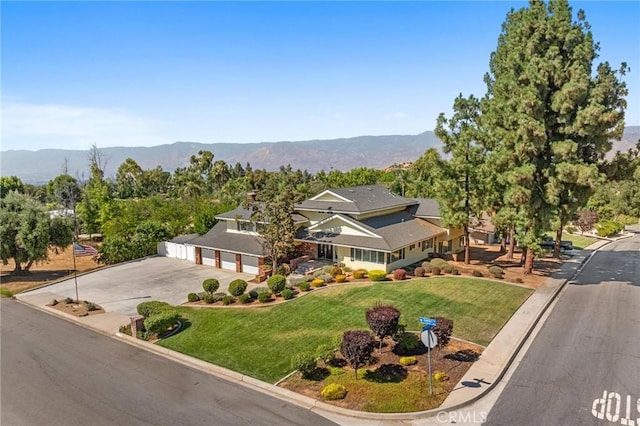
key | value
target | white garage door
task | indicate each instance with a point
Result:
(207, 257)
(228, 260)
(250, 264)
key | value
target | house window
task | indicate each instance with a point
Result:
(245, 226)
(371, 256)
(427, 244)
(396, 255)
(412, 246)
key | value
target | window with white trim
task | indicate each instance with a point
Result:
(396, 255)
(371, 256)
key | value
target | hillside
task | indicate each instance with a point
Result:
(40, 166)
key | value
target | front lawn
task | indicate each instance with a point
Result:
(259, 342)
(579, 241)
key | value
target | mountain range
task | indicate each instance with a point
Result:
(38, 167)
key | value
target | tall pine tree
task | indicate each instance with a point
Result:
(548, 117)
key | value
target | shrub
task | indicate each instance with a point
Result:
(304, 362)
(357, 346)
(276, 283)
(296, 281)
(399, 274)
(201, 295)
(210, 285)
(336, 371)
(435, 270)
(264, 297)
(346, 269)
(209, 299)
(287, 294)
(443, 330)
(304, 286)
(218, 296)
(406, 343)
(244, 298)
(227, 299)
(377, 275)
(359, 273)
(334, 391)
(340, 278)
(454, 271)
(160, 322)
(91, 306)
(496, 271)
(428, 267)
(448, 269)
(609, 228)
(317, 282)
(477, 274)
(408, 360)
(68, 300)
(571, 229)
(254, 293)
(438, 262)
(440, 376)
(237, 287)
(326, 278)
(125, 329)
(192, 297)
(146, 309)
(383, 321)
(419, 272)
(326, 353)
(282, 270)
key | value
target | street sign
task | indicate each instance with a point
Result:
(429, 339)
(427, 321)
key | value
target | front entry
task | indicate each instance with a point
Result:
(325, 251)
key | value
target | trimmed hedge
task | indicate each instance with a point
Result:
(304, 286)
(227, 300)
(334, 391)
(244, 298)
(438, 262)
(146, 309)
(264, 297)
(496, 271)
(160, 322)
(276, 283)
(193, 297)
(408, 360)
(399, 274)
(340, 278)
(419, 272)
(237, 287)
(428, 268)
(317, 282)
(210, 285)
(287, 294)
(377, 275)
(359, 273)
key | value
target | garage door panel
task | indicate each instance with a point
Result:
(250, 264)
(228, 260)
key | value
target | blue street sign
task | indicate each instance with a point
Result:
(427, 327)
(427, 321)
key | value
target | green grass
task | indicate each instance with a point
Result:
(579, 241)
(260, 342)
(5, 293)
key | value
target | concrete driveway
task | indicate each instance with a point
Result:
(121, 288)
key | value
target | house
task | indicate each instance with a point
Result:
(372, 228)
(360, 227)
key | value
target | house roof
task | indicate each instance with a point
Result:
(393, 231)
(244, 214)
(355, 200)
(426, 207)
(219, 239)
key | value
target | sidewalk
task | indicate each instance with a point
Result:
(483, 375)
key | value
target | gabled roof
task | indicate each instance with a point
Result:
(219, 239)
(393, 231)
(355, 200)
(427, 208)
(181, 239)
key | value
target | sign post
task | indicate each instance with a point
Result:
(430, 341)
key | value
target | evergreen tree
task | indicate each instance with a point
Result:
(461, 194)
(548, 118)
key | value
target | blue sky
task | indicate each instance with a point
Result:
(148, 73)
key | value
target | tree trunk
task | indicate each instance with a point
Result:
(466, 245)
(503, 242)
(556, 245)
(28, 267)
(18, 267)
(528, 262)
(512, 242)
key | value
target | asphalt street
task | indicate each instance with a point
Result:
(583, 368)
(57, 373)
